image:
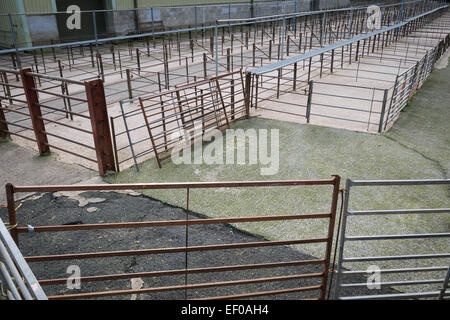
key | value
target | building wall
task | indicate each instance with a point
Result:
(19, 22)
(128, 4)
(36, 28)
(38, 6)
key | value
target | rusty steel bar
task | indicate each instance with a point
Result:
(264, 293)
(144, 224)
(331, 224)
(149, 274)
(122, 253)
(95, 94)
(35, 111)
(3, 124)
(174, 185)
(11, 205)
(199, 286)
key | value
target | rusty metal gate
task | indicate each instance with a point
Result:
(319, 276)
(417, 277)
(57, 113)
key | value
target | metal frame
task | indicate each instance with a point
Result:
(31, 115)
(17, 229)
(286, 77)
(16, 277)
(344, 238)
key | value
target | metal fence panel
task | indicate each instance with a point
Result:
(435, 274)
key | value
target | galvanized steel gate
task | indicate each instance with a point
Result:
(17, 281)
(420, 291)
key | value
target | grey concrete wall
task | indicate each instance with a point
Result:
(43, 28)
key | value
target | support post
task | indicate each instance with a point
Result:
(130, 89)
(35, 111)
(383, 110)
(12, 212)
(248, 80)
(308, 107)
(3, 125)
(95, 94)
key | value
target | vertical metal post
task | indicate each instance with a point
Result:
(138, 60)
(35, 111)
(95, 30)
(294, 78)
(11, 204)
(232, 98)
(337, 182)
(113, 134)
(350, 24)
(217, 48)
(247, 97)
(14, 38)
(383, 110)
(282, 38)
(95, 94)
(342, 236)
(130, 89)
(100, 66)
(3, 125)
(308, 107)
(332, 61)
(205, 71)
(322, 28)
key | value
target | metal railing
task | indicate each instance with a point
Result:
(295, 79)
(363, 240)
(100, 24)
(19, 228)
(17, 281)
(42, 110)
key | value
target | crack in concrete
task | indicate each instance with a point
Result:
(439, 166)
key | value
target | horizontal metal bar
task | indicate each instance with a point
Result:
(171, 223)
(185, 271)
(404, 270)
(393, 296)
(399, 211)
(70, 152)
(175, 185)
(91, 255)
(264, 293)
(392, 283)
(398, 182)
(185, 287)
(397, 236)
(47, 76)
(400, 257)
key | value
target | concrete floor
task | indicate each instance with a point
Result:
(21, 166)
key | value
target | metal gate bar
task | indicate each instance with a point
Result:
(348, 213)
